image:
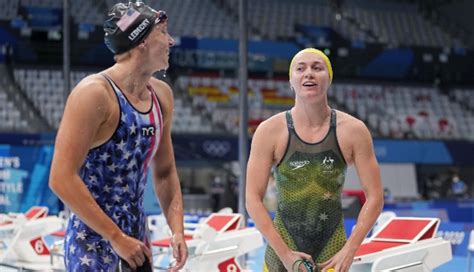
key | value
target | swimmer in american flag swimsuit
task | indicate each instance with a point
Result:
(116, 124)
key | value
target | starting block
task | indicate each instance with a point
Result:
(22, 237)
(216, 243)
(403, 244)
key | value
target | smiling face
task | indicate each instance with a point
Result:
(309, 75)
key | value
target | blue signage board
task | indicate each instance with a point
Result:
(24, 172)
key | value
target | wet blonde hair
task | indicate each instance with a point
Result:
(317, 52)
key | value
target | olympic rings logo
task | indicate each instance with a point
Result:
(216, 148)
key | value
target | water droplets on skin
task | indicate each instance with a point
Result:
(362, 222)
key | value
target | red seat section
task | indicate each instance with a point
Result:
(36, 212)
(407, 229)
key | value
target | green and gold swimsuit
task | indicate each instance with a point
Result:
(309, 182)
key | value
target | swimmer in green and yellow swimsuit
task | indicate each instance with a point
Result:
(309, 182)
(311, 146)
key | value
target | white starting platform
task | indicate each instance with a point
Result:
(403, 244)
(22, 244)
(216, 243)
(213, 245)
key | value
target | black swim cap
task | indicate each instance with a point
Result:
(129, 24)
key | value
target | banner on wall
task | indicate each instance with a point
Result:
(43, 17)
(205, 148)
(225, 148)
(423, 152)
(24, 172)
(460, 210)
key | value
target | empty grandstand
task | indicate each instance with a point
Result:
(405, 68)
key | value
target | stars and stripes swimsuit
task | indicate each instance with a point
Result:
(115, 173)
(309, 182)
